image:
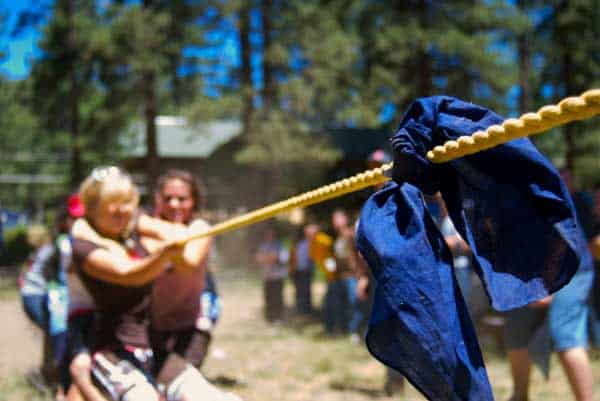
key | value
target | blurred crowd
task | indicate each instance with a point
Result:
(565, 323)
(128, 308)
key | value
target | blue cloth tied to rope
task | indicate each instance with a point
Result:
(513, 210)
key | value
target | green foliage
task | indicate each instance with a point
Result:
(16, 247)
(312, 65)
(566, 41)
(279, 139)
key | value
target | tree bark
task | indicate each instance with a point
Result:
(570, 130)
(246, 68)
(76, 173)
(152, 162)
(150, 113)
(267, 65)
(524, 67)
(424, 65)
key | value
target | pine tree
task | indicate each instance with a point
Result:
(571, 54)
(63, 79)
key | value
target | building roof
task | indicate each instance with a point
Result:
(177, 138)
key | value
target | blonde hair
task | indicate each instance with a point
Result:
(38, 235)
(105, 184)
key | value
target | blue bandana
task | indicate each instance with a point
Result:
(513, 210)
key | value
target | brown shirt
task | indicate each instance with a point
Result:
(176, 299)
(122, 312)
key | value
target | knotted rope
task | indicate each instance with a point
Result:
(570, 109)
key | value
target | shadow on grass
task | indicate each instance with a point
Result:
(364, 390)
(300, 322)
(227, 381)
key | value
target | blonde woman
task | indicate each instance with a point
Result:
(117, 271)
(181, 320)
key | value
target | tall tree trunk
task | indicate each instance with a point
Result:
(246, 68)
(152, 162)
(424, 63)
(176, 35)
(176, 82)
(570, 130)
(76, 174)
(524, 67)
(76, 164)
(266, 9)
(150, 113)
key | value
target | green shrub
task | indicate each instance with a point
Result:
(16, 247)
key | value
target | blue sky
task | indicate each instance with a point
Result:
(19, 50)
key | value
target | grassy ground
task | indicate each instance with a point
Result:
(291, 362)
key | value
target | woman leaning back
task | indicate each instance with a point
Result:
(118, 272)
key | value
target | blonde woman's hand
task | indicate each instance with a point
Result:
(595, 245)
(541, 303)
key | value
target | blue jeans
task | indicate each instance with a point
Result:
(302, 284)
(357, 312)
(35, 307)
(335, 306)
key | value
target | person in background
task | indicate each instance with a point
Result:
(567, 314)
(595, 248)
(321, 252)
(272, 258)
(303, 270)
(344, 253)
(33, 285)
(58, 294)
(569, 310)
(460, 251)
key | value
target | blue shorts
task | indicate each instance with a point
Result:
(569, 312)
(35, 308)
(521, 326)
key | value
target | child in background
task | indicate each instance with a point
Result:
(272, 258)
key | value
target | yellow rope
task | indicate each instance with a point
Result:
(357, 182)
(570, 109)
(573, 108)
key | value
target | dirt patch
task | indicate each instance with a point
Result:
(20, 342)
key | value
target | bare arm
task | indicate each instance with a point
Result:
(112, 263)
(107, 266)
(157, 232)
(196, 252)
(595, 245)
(82, 230)
(163, 230)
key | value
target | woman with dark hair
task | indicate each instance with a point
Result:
(182, 306)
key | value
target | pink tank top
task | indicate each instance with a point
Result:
(176, 299)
